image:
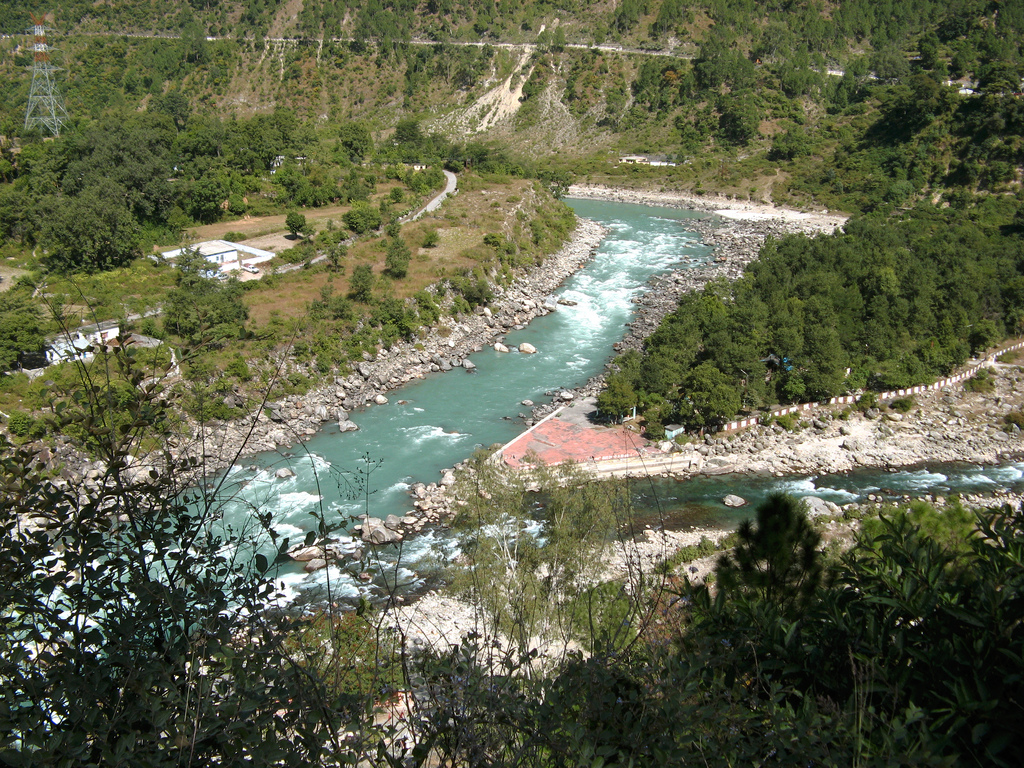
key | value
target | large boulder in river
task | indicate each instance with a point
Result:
(527, 349)
(733, 500)
(499, 347)
(468, 364)
(375, 531)
(284, 473)
(817, 507)
(380, 400)
(382, 536)
(304, 554)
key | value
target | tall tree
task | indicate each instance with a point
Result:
(361, 283)
(777, 556)
(396, 263)
(709, 396)
(202, 309)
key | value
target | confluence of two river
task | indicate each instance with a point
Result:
(434, 423)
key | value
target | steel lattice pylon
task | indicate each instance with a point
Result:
(45, 105)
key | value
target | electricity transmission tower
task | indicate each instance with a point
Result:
(45, 105)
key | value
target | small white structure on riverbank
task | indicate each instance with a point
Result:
(226, 255)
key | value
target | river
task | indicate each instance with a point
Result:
(436, 422)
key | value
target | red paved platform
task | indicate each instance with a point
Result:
(555, 441)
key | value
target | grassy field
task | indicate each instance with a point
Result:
(480, 208)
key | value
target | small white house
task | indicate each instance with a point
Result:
(644, 160)
(75, 344)
(226, 255)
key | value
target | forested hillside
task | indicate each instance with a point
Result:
(787, 98)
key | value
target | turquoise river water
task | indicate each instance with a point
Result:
(443, 418)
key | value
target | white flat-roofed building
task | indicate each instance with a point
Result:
(225, 254)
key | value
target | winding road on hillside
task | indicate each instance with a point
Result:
(604, 48)
(450, 188)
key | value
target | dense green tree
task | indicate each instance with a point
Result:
(206, 197)
(20, 327)
(356, 140)
(396, 262)
(175, 105)
(792, 143)
(890, 65)
(618, 398)
(408, 132)
(92, 231)
(128, 156)
(709, 396)
(295, 222)
(362, 218)
(252, 145)
(888, 299)
(361, 283)
(740, 119)
(201, 308)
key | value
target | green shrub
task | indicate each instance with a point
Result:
(239, 368)
(20, 424)
(982, 381)
(867, 401)
(788, 422)
(304, 251)
(903, 404)
(687, 554)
